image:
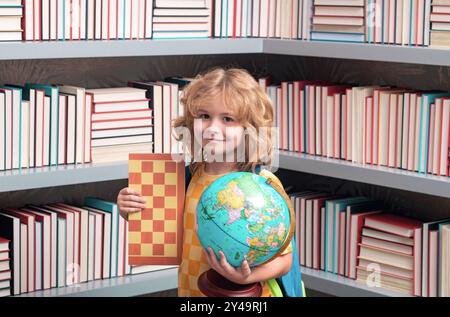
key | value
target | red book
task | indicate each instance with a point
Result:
(4, 244)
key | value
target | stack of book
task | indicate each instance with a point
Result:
(182, 19)
(164, 100)
(11, 12)
(440, 23)
(5, 269)
(122, 122)
(338, 21)
(391, 250)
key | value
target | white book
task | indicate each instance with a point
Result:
(53, 19)
(81, 122)
(16, 126)
(104, 22)
(329, 126)
(121, 19)
(87, 133)
(46, 246)
(46, 131)
(217, 18)
(38, 255)
(436, 135)
(98, 19)
(179, 3)
(106, 229)
(8, 129)
(90, 20)
(25, 135)
(83, 19)
(112, 17)
(256, 17)
(61, 245)
(75, 19)
(39, 106)
(148, 18)
(71, 129)
(62, 129)
(82, 221)
(91, 247)
(405, 131)
(417, 133)
(45, 20)
(24, 258)
(16, 252)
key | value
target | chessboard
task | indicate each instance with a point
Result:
(155, 234)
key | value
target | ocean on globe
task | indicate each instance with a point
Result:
(243, 216)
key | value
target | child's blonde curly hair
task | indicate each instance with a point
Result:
(244, 98)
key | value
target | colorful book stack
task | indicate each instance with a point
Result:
(391, 249)
(5, 269)
(287, 19)
(44, 125)
(11, 12)
(164, 100)
(87, 20)
(440, 23)
(182, 19)
(338, 21)
(353, 237)
(122, 122)
(373, 125)
(402, 22)
(59, 245)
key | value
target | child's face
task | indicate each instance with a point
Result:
(218, 131)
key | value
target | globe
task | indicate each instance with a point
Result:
(246, 217)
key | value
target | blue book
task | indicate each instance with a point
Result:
(111, 208)
(338, 37)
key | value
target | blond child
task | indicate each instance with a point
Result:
(221, 106)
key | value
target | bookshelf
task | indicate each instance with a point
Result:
(375, 175)
(89, 173)
(147, 283)
(134, 48)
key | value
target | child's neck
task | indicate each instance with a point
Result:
(216, 168)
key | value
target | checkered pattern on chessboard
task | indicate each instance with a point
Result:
(153, 233)
(194, 261)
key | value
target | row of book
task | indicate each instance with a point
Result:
(399, 22)
(355, 238)
(5, 269)
(374, 125)
(58, 245)
(48, 125)
(44, 125)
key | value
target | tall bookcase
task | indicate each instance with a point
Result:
(96, 64)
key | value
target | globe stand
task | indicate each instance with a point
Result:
(212, 284)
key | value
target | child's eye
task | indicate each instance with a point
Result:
(204, 116)
(228, 119)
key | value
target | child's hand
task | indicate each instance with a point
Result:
(236, 275)
(129, 201)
